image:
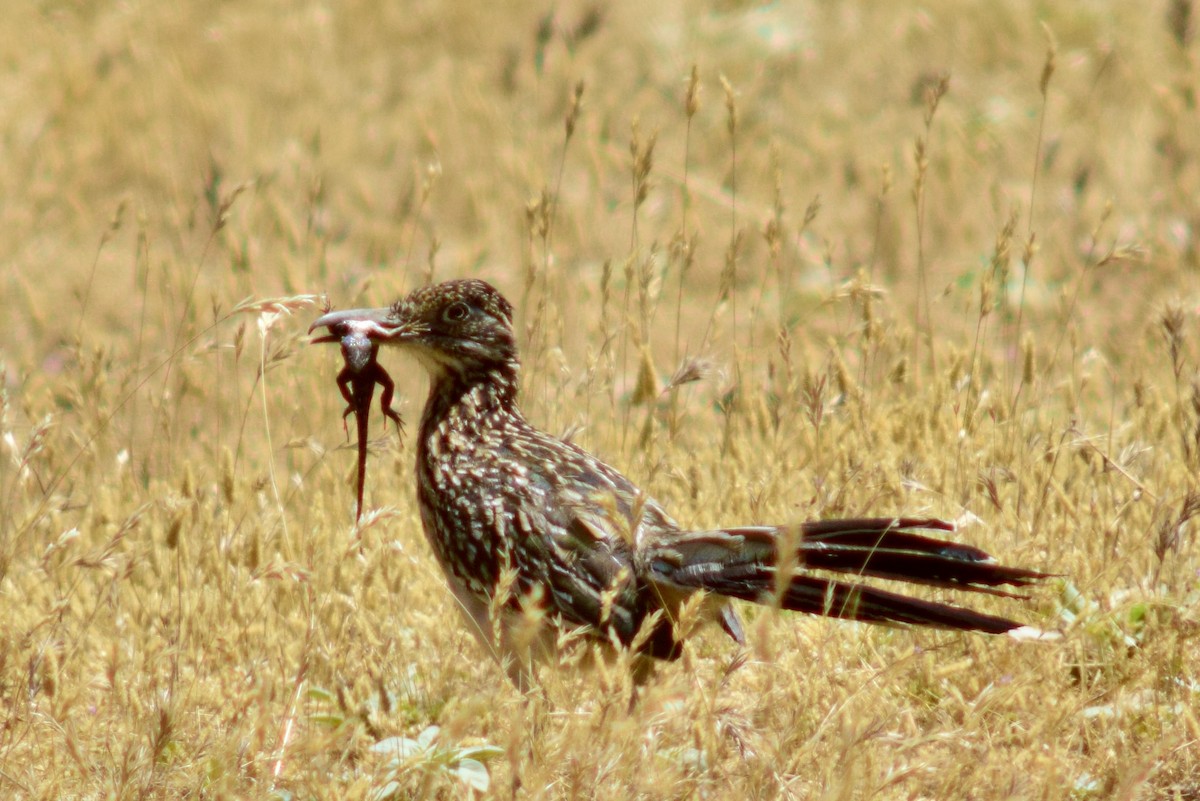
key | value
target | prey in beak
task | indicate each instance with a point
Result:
(356, 330)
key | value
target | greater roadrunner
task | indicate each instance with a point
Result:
(527, 525)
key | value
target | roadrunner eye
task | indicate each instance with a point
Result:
(456, 313)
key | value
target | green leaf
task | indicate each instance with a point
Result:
(481, 752)
(331, 720)
(399, 747)
(473, 774)
(320, 694)
(427, 737)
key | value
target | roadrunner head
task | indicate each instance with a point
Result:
(455, 329)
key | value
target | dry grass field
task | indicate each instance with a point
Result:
(940, 260)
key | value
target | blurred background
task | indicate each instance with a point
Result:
(774, 260)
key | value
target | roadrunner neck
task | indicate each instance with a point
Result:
(471, 401)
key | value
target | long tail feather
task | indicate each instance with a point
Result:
(821, 596)
(741, 563)
(888, 548)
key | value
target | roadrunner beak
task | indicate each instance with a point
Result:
(377, 325)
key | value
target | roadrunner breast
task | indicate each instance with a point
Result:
(527, 525)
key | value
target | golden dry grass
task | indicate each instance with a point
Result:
(187, 610)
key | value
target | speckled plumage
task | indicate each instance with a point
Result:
(581, 544)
